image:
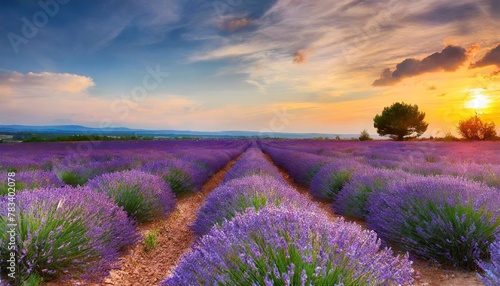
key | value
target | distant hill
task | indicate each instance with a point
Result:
(77, 129)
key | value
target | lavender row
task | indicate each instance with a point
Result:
(81, 230)
(185, 171)
(478, 161)
(252, 182)
(325, 176)
(441, 218)
(49, 156)
(257, 230)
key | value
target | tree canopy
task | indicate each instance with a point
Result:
(475, 129)
(400, 121)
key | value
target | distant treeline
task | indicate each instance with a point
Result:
(82, 137)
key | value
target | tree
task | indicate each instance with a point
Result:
(400, 121)
(475, 129)
(365, 136)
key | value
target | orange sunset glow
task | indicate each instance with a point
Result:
(314, 66)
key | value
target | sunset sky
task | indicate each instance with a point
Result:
(282, 66)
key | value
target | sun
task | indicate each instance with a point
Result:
(478, 99)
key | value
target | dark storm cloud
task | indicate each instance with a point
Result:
(492, 57)
(447, 13)
(450, 59)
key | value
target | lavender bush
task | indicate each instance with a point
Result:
(253, 162)
(445, 219)
(353, 197)
(491, 276)
(63, 229)
(289, 246)
(331, 178)
(235, 196)
(143, 196)
(182, 176)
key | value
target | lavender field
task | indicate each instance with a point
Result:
(284, 212)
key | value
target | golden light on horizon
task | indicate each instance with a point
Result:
(478, 99)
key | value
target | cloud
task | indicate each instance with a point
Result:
(235, 24)
(300, 57)
(447, 13)
(492, 57)
(229, 51)
(494, 8)
(450, 59)
(58, 82)
(261, 87)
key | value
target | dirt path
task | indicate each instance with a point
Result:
(427, 273)
(174, 238)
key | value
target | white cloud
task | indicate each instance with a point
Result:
(348, 45)
(18, 83)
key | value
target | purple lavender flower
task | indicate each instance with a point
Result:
(237, 195)
(38, 179)
(352, 198)
(182, 176)
(445, 219)
(212, 161)
(301, 166)
(331, 178)
(253, 162)
(286, 246)
(491, 276)
(62, 229)
(143, 196)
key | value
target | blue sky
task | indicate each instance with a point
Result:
(285, 65)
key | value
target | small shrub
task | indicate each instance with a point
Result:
(445, 219)
(475, 129)
(364, 136)
(179, 181)
(331, 178)
(73, 179)
(352, 199)
(63, 229)
(143, 196)
(151, 240)
(289, 246)
(182, 176)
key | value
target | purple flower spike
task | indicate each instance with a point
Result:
(237, 195)
(62, 229)
(289, 246)
(491, 276)
(445, 219)
(143, 196)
